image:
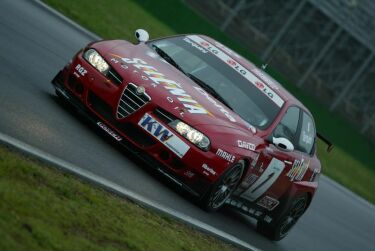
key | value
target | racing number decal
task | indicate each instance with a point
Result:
(265, 181)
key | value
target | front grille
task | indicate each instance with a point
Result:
(75, 85)
(101, 107)
(136, 134)
(131, 101)
(133, 132)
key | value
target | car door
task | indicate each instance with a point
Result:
(274, 159)
(305, 146)
(297, 162)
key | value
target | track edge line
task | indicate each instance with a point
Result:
(67, 20)
(113, 187)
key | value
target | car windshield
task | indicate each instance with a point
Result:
(254, 101)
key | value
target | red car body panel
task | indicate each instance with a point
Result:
(187, 101)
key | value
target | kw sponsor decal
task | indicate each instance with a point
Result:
(109, 131)
(225, 155)
(268, 202)
(174, 88)
(213, 101)
(237, 67)
(246, 145)
(298, 170)
(156, 129)
(165, 136)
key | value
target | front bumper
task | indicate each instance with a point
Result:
(130, 136)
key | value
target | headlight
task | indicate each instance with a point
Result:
(191, 134)
(97, 61)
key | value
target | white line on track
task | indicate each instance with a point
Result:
(113, 187)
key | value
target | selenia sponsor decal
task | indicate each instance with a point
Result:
(239, 68)
(213, 101)
(191, 105)
(165, 136)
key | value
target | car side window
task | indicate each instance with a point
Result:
(287, 127)
(306, 138)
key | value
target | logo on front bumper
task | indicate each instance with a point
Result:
(109, 131)
(164, 135)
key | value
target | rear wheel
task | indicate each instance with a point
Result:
(278, 229)
(223, 188)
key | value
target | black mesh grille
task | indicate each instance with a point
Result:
(131, 101)
(101, 107)
(136, 134)
(133, 132)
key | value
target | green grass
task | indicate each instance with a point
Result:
(44, 209)
(353, 161)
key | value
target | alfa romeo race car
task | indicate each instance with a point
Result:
(206, 118)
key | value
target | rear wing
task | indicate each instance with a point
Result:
(325, 140)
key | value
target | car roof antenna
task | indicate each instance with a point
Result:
(268, 60)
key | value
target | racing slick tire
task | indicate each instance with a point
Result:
(223, 188)
(280, 227)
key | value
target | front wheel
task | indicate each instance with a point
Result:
(280, 228)
(223, 188)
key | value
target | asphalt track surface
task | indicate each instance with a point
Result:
(35, 44)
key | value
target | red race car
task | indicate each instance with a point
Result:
(204, 117)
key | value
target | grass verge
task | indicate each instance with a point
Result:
(44, 209)
(353, 161)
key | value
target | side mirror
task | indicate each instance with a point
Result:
(141, 35)
(283, 144)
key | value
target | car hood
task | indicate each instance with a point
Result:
(170, 89)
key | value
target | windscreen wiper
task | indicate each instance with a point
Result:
(209, 89)
(200, 82)
(167, 58)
